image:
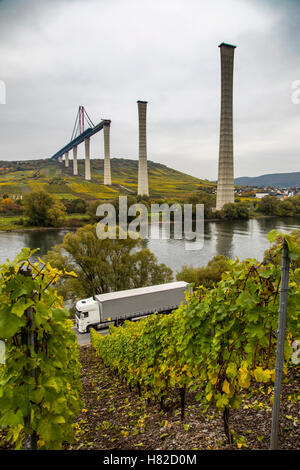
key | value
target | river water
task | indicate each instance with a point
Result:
(242, 239)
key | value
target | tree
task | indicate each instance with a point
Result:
(104, 265)
(208, 200)
(57, 213)
(237, 210)
(205, 276)
(75, 206)
(269, 205)
(296, 202)
(8, 206)
(146, 271)
(42, 210)
(287, 208)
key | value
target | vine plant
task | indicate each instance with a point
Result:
(40, 384)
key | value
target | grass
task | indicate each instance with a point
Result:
(9, 222)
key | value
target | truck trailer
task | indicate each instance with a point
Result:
(116, 307)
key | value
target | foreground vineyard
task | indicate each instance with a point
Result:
(116, 418)
(222, 342)
(40, 379)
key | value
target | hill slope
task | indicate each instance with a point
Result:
(279, 180)
(17, 178)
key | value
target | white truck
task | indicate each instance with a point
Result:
(98, 311)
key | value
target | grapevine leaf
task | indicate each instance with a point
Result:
(226, 387)
(21, 306)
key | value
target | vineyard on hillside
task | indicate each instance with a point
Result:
(221, 343)
(18, 178)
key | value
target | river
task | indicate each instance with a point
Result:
(242, 239)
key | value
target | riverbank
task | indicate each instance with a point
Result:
(8, 223)
(11, 224)
(41, 229)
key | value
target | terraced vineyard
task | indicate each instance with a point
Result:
(17, 178)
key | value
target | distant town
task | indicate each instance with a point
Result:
(260, 192)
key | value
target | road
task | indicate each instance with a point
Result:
(85, 338)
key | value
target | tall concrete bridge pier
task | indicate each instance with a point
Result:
(75, 165)
(66, 159)
(107, 170)
(225, 188)
(87, 166)
(143, 189)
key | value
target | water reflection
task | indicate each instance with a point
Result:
(44, 242)
(12, 242)
(224, 239)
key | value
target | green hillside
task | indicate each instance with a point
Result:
(277, 180)
(17, 178)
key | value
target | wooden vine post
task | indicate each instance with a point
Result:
(280, 344)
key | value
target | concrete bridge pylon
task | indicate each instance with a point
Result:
(87, 174)
(225, 188)
(143, 189)
(107, 168)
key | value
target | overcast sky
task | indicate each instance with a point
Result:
(106, 54)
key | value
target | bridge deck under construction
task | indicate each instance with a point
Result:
(81, 138)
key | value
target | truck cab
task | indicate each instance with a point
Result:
(87, 314)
